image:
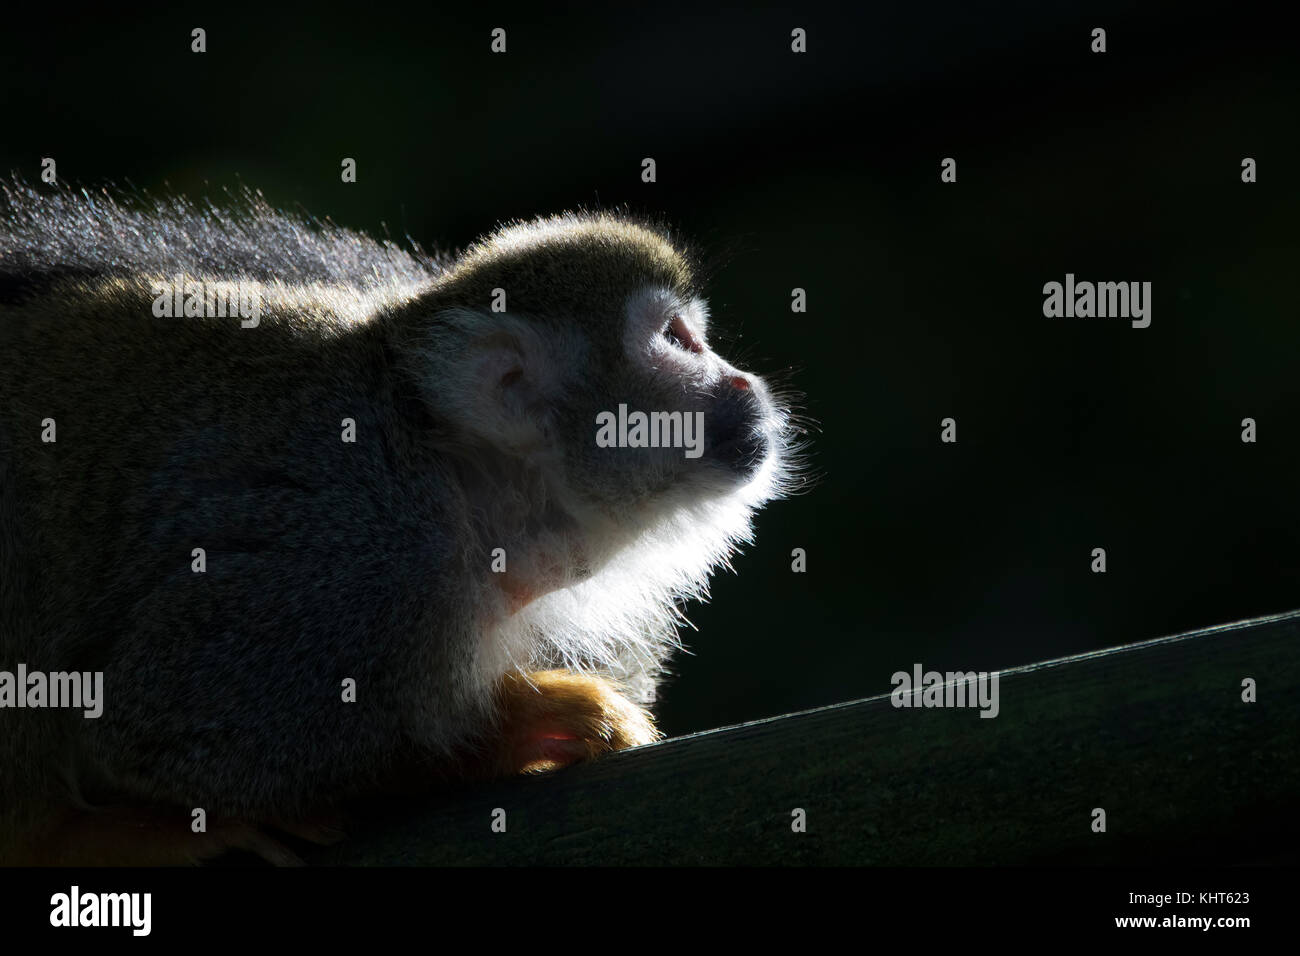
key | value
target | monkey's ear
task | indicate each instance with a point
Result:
(497, 367)
(489, 377)
(501, 396)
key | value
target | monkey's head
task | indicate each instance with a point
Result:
(574, 353)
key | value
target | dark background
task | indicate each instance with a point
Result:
(925, 300)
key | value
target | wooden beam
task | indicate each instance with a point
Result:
(1155, 733)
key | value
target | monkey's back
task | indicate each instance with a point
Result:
(180, 510)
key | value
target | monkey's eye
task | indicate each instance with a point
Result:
(680, 334)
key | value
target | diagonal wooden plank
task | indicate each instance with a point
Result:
(1156, 733)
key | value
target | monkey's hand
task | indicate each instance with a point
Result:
(550, 719)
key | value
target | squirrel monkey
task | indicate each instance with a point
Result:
(328, 517)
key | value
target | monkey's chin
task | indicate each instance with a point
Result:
(759, 471)
(743, 454)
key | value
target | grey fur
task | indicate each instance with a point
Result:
(64, 231)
